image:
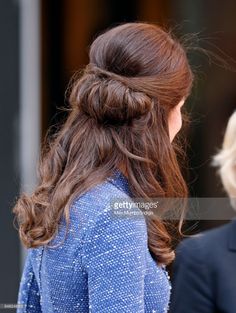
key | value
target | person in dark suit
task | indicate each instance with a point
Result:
(204, 272)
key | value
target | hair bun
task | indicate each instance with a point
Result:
(107, 97)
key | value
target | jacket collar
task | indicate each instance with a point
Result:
(120, 181)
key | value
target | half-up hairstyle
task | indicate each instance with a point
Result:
(118, 117)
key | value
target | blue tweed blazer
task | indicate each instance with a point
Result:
(104, 265)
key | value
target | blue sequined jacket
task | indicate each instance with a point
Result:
(104, 265)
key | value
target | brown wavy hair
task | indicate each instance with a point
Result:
(118, 118)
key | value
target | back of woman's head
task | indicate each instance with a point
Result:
(119, 118)
(132, 67)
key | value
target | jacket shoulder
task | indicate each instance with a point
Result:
(205, 245)
(87, 208)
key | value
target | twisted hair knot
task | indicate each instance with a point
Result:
(108, 98)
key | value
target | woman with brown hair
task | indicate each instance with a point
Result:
(115, 144)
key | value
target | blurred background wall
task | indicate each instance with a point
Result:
(44, 42)
(9, 156)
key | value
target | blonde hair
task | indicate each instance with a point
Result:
(226, 159)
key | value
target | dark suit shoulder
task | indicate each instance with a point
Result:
(207, 244)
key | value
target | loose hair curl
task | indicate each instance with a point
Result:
(119, 111)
